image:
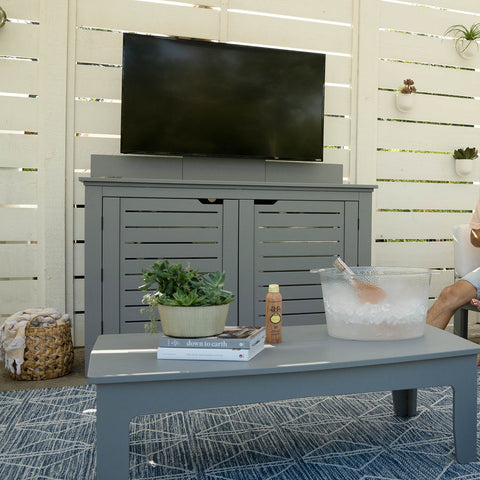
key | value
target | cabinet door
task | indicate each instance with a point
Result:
(290, 238)
(187, 231)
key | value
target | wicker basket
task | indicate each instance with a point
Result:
(48, 352)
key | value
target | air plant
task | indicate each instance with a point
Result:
(464, 36)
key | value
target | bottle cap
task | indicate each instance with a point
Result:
(273, 288)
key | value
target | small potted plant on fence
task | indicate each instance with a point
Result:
(404, 97)
(464, 160)
(466, 39)
(189, 304)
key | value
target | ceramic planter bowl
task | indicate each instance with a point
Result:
(467, 49)
(193, 322)
(463, 166)
(404, 101)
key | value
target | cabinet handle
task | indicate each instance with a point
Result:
(3, 17)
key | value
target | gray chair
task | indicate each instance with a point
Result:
(466, 259)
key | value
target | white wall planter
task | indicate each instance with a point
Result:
(463, 166)
(404, 101)
(467, 48)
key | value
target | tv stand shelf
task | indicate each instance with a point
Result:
(258, 232)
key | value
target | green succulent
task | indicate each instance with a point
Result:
(465, 153)
(176, 285)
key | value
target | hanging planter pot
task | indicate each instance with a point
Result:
(463, 166)
(466, 39)
(464, 158)
(405, 96)
(467, 48)
(404, 101)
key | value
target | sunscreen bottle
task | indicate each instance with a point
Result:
(273, 315)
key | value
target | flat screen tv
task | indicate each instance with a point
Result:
(189, 97)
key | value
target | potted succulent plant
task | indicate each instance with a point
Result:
(464, 160)
(466, 39)
(189, 304)
(404, 97)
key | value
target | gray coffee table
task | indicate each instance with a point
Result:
(131, 381)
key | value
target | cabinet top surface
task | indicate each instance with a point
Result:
(132, 357)
(138, 182)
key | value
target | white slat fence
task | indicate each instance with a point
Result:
(66, 107)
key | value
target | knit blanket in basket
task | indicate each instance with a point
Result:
(12, 333)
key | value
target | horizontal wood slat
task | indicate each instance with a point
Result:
(432, 108)
(22, 9)
(171, 219)
(417, 225)
(86, 146)
(171, 251)
(415, 48)
(269, 220)
(159, 208)
(20, 40)
(18, 295)
(462, 5)
(22, 114)
(79, 259)
(18, 187)
(289, 33)
(272, 234)
(415, 18)
(79, 294)
(203, 265)
(341, 11)
(431, 79)
(99, 47)
(432, 138)
(19, 224)
(415, 254)
(180, 235)
(19, 261)
(19, 77)
(19, 151)
(426, 196)
(145, 17)
(421, 166)
(93, 81)
(79, 224)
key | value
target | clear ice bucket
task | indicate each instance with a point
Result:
(400, 314)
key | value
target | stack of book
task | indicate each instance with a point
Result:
(235, 343)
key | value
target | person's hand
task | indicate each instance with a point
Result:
(475, 303)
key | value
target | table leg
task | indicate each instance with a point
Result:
(465, 413)
(405, 402)
(113, 446)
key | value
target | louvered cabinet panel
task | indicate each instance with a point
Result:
(187, 231)
(291, 238)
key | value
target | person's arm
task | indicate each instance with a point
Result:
(475, 237)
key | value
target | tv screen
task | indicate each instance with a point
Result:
(189, 97)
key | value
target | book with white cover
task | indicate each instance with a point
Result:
(231, 337)
(238, 354)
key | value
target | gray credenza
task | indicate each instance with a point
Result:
(258, 232)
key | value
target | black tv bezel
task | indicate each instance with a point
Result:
(213, 44)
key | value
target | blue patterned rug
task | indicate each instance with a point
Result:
(49, 434)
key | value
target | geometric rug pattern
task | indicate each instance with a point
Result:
(49, 434)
